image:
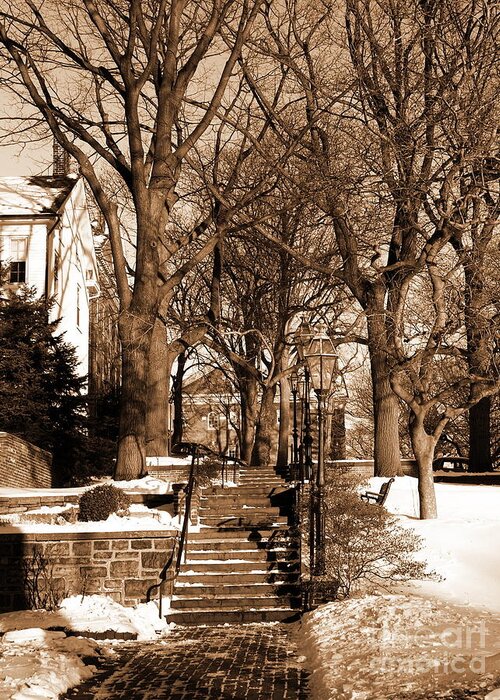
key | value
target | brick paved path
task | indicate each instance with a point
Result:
(246, 662)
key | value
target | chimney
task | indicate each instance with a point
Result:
(60, 161)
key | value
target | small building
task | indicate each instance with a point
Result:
(46, 242)
(211, 412)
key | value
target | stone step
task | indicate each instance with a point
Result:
(235, 499)
(252, 590)
(228, 602)
(232, 544)
(250, 490)
(236, 616)
(231, 578)
(238, 511)
(251, 534)
(245, 521)
(239, 554)
(264, 483)
(240, 566)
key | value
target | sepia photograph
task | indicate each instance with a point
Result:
(249, 350)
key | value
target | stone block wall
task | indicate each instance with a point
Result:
(117, 564)
(22, 465)
(365, 467)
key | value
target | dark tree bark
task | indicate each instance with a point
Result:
(265, 429)
(480, 457)
(249, 409)
(159, 365)
(283, 457)
(177, 426)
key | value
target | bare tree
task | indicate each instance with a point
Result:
(119, 86)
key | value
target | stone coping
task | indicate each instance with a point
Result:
(37, 500)
(94, 535)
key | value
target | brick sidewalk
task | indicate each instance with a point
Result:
(246, 662)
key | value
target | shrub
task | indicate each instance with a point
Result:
(364, 544)
(42, 590)
(101, 501)
(209, 469)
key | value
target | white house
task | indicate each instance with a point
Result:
(46, 242)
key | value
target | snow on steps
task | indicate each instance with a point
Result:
(243, 565)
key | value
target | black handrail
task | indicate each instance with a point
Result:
(166, 575)
(187, 511)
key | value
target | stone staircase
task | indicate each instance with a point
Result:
(243, 565)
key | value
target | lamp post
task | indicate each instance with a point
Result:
(322, 362)
(302, 339)
(294, 386)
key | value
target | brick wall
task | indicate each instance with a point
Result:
(118, 564)
(22, 465)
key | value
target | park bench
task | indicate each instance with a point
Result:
(378, 497)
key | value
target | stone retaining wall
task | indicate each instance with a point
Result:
(365, 467)
(22, 465)
(118, 564)
(26, 502)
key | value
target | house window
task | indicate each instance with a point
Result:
(17, 260)
(213, 421)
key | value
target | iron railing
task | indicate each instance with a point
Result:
(170, 571)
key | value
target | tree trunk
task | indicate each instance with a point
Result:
(284, 425)
(480, 436)
(337, 442)
(177, 428)
(264, 434)
(158, 393)
(136, 340)
(423, 446)
(480, 342)
(248, 399)
(385, 402)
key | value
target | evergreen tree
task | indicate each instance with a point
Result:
(40, 391)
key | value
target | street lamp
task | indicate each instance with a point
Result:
(302, 338)
(322, 362)
(294, 386)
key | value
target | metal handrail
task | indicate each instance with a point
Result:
(167, 575)
(164, 576)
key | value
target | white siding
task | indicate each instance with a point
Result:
(36, 235)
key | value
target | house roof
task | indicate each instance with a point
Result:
(34, 195)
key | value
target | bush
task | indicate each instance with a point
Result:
(209, 469)
(365, 547)
(42, 590)
(101, 501)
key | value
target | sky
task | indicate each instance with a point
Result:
(29, 161)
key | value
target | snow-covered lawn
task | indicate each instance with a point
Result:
(433, 635)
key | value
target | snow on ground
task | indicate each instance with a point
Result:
(439, 634)
(139, 517)
(146, 484)
(39, 662)
(461, 544)
(381, 647)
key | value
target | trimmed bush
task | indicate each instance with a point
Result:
(101, 501)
